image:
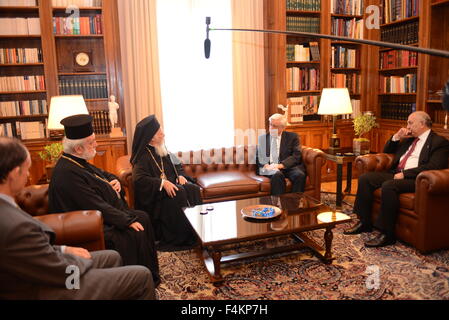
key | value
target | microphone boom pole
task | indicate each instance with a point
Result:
(433, 52)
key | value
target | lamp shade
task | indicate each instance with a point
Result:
(62, 107)
(335, 101)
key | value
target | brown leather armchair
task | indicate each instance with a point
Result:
(77, 228)
(423, 218)
(230, 173)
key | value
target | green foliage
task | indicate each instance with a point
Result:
(364, 123)
(51, 152)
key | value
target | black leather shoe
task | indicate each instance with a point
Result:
(358, 228)
(380, 241)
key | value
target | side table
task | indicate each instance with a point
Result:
(341, 156)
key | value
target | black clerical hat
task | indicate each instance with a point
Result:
(145, 131)
(78, 126)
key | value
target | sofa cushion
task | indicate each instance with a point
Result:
(227, 183)
(406, 200)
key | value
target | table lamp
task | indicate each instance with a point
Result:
(62, 107)
(334, 101)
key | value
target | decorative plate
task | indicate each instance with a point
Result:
(261, 211)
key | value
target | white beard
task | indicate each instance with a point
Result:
(88, 155)
(161, 150)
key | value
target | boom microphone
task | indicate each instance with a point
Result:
(207, 41)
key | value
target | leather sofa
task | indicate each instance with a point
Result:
(423, 218)
(230, 173)
(77, 228)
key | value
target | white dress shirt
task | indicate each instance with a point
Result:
(274, 154)
(412, 161)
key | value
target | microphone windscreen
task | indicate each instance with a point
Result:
(207, 48)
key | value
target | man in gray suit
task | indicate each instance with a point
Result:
(32, 268)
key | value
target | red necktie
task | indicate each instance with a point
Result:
(401, 164)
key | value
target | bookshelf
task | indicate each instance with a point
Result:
(65, 50)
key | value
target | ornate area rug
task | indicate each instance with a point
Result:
(392, 272)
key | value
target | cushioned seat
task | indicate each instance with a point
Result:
(226, 183)
(406, 200)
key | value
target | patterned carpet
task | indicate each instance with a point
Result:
(393, 272)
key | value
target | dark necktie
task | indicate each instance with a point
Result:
(401, 164)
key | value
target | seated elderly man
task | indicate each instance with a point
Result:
(78, 185)
(416, 148)
(279, 157)
(31, 267)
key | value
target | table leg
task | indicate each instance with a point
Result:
(348, 177)
(339, 185)
(328, 237)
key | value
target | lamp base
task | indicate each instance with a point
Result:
(334, 142)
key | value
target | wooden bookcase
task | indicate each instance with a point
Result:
(430, 73)
(94, 33)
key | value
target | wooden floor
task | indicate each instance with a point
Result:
(332, 187)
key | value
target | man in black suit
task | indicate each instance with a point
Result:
(416, 148)
(279, 157)
(31, 267)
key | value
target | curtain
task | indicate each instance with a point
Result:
(140, 62)
(248, 65)
(197, 94)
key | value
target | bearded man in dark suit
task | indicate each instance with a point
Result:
(279, 157)
(416, 148)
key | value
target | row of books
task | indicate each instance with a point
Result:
(304, 5)
(24, 130)
(350, 7)
(299, 52)
(90, 89)
(22, 83)
(398, 84)
(343, 57)
(23, 108)
(397, 59)
(78, 25)
(352, 81)
(20, 55)
(406, 33)
(101, 123)
(20, 26)
(18, 3)
(78, 3)
(352, 28)
(303, 24)
(300, 79)
(301, 106)
(440, 116)
(396, 111)
(395, 10)
(355, 111)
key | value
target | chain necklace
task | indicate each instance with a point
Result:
(161, 169)
(95, 175)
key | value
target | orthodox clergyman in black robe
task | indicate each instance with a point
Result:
(78, 185)
(162, 188)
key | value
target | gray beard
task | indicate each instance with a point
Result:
(161, 150)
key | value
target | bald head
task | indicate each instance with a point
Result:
(418, 122)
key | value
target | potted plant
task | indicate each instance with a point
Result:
(363, 124)
(51, 154)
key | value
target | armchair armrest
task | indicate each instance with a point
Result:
(77, 228)
(124, 171)
(432, 191)
(433, 182)
(374, 162)
(314, 160)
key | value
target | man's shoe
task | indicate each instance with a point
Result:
(380, 241)
(358, 228)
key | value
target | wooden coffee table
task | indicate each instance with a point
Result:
(224, 226)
